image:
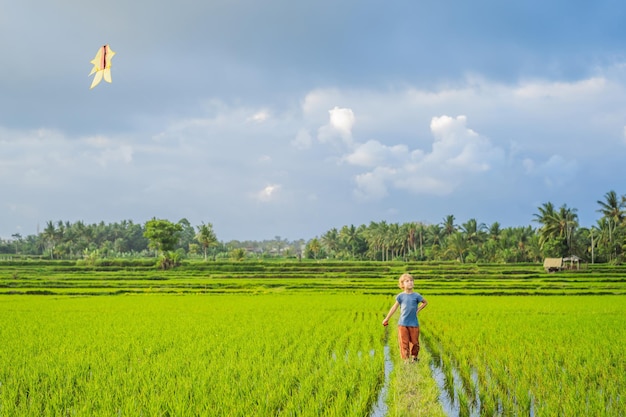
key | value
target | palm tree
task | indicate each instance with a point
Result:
(315, 247)
(612, 210)
(330, 240)
(546, 217)
(348, 238)
(375, 236)
(494, 231)
(50, 237)
(394, 240)
(434, 236)
(18, 239)
(410, 232)
(568, 222)
(558, 227)
(206, 237)
(473, 231)
(457, 246)
(448, 225)
(522, 237)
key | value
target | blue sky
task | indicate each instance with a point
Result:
(283, 118)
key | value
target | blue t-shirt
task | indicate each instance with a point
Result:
(408, 308)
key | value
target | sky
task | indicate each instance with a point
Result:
(290, 118)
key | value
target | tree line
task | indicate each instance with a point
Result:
(556, 233)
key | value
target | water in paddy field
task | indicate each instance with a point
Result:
(449, 392)
(450, 399)
(380, 408)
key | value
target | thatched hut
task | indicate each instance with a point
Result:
(558, 264)
(553, 264)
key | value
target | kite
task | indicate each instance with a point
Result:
(102, 65)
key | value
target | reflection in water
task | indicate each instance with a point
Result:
(452, 396)
(380, 408)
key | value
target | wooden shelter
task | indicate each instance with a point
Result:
(558, 264)
(572, 262)
(553, 264)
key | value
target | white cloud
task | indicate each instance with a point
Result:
(339, 127)
(318, 157)
(342, 120)
(457, 152)
(268, 193)
(372, 185)
(105, 150)
(460, 148)
(372, 153)
(576, 90)
(259, 117)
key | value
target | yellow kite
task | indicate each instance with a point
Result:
(102, 65)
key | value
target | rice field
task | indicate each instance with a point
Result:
(306, 340)
(531, 356)
(165, 355)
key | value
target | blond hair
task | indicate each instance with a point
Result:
(403, 278)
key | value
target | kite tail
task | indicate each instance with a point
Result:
(96, 79)
(107, 75)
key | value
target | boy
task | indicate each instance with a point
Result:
(411, 304)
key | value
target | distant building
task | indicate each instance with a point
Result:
(553, 264)
(559, 264)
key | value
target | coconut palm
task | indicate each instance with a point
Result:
(448, 225)
(557, 228)
(50, 237)
(473, 231)
(348, 238)
(612, 210)
(457, 246)
(206, 237)
(495, 231)
(330, 241)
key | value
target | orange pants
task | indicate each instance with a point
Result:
(409, 341)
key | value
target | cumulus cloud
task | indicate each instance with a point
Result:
(339, 127)
(372, 185)
(460, 148)
(456, 153)
(322, 157)
(372, 153)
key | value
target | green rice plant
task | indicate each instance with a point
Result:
(151, 355)
(546, 355)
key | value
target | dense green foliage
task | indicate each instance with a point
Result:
(558, 235)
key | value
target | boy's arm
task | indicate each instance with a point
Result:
(393, 310)
(422, 305)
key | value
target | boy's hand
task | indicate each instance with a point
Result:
(385, 322)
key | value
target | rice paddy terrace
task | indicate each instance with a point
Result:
(115, 277)
(305, 338)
